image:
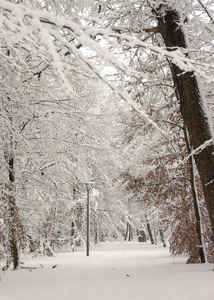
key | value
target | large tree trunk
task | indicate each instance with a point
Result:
(191, 103)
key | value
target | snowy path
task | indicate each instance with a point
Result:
(127, 271)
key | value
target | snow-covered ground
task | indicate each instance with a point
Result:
(119, 270)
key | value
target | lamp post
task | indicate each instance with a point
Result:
(88, 185)
(88, 220)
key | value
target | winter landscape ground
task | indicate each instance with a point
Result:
(119, 270)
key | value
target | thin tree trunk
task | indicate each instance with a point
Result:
(150, 232)
(126, 235)
(96, 234)
(196, 204)
(129, 234)
(191, 103)
(162, 238)
(9, 158)
(13, 239)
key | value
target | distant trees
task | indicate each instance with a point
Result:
(162, 187)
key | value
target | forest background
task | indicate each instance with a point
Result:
(114, 99)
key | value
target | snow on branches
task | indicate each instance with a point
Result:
(55, 39)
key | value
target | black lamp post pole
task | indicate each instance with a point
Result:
(88, 221)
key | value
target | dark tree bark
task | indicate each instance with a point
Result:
(150, 232)
(162, 238)
(191, 105)
(9, 158)
(13, 212)
(195, 204)
(129, 233)
(13, 238)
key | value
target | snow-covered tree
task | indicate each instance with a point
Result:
(58, 52)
